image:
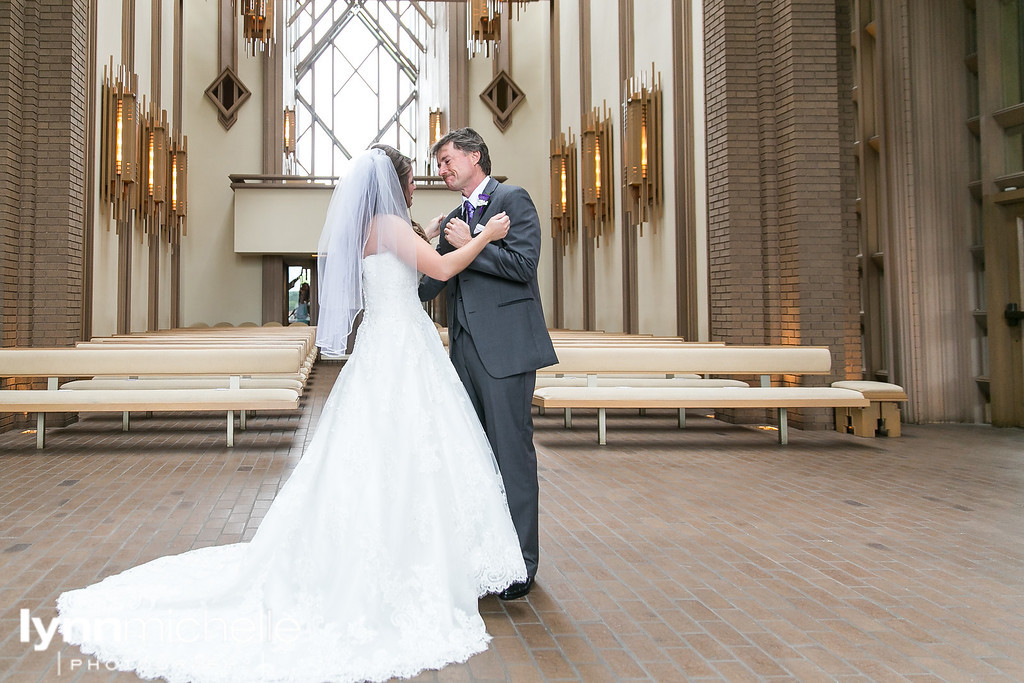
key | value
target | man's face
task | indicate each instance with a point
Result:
(459, 170)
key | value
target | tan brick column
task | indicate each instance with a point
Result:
(43, 57)
(781, 184)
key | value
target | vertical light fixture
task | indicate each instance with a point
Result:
(258, 25)
(155, 169)
(119, 142)
(436, 125)
(178, 211)
(598, 195)
(435, 131)
(289, 132)
(564, 225)
(642, 134)
(484, 25)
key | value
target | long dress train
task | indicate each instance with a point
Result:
(369, 563)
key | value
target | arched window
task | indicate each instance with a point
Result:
(355, 66)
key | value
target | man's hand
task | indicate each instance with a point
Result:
(457, 232)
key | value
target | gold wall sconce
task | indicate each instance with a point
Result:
(258, 25)
(485, 23)
(119, 141)
(178, 213)
(143, 164)
(155, 169)
(642, 135)
(598, 193)
(564, 221)
(435, 131)
(436, 126)
(289, 132)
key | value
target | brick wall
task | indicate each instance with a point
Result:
(781, 183)
(850, 364)
(43, 68)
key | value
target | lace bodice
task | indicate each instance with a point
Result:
(391, 305)
(388, 284)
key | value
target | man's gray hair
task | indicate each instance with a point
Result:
(466, 140)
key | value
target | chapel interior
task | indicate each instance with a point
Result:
(845, 174)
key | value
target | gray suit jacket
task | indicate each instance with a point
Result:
(499, 289)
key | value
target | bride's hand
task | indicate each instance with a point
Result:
(434, 227)
(497, 227)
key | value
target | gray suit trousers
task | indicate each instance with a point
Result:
(504, 407)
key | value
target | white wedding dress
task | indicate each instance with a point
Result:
(371, 559)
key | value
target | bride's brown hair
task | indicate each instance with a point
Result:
(403, 167)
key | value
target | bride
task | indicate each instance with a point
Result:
(371, 559)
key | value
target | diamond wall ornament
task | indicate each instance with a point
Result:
(228, 94)
(502, 96)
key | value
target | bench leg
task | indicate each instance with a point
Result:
(40, 430)
(862, 421)
(568, 418)
(540, 410)
(841, 419)
(602, 427)
(890, 413)
(643, 411)
(125, 420)
(682, 418)
(231, 429)
(241, 420)
(783, 427)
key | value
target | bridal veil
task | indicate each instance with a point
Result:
(367, 215)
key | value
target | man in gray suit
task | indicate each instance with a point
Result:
(496, 329)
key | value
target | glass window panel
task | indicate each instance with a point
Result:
(1014, 149)
(343, 71)
(973, 95)
(322, 151)
(355, 65)
(976, 234)
(971, 27)
(1011, 39)
(974, 156)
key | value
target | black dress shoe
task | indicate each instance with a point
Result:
(517, 590)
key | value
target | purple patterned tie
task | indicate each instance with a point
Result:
(470, 210)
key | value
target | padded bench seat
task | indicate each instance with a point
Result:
(681, 398)
(198, 382)
(881, 417)
(302, 372)
(602, 366)
(118, 400)
(224, 366)
(648, 381)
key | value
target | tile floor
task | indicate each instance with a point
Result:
(706, 554)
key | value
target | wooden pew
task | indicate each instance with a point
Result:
(702, 360)
(231, 364)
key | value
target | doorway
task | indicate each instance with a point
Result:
(298, 294)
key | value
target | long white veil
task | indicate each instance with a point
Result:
(368, 202)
